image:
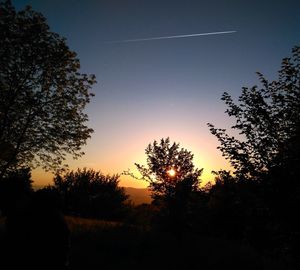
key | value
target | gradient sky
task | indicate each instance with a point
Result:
(153, 89)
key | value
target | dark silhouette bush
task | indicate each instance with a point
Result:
(89, 193)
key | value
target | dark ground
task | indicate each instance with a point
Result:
(111, 245)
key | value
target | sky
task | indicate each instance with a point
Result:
(155, 89)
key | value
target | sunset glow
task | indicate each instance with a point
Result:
(144, 85)
(171, 172)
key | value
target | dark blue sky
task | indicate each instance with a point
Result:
(153, 89)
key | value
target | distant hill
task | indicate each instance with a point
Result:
(138, 195)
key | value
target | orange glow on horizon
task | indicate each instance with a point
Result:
(123, 163)
(112, 156)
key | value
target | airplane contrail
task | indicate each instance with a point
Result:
(170, 37)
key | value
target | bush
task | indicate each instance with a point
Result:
(89, 193)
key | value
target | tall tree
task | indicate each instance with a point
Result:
(174, 182)
(43, 94)
(267, 118)
(168, 167)
(267, 151)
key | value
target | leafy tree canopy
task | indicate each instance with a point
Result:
(267, 118)
(43, 94)
(90, 193)
(168, 167)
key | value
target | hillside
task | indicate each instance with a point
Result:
(138, 195)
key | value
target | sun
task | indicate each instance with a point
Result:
(171, 172)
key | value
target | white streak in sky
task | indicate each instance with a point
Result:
(170, 37)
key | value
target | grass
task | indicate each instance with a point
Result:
(97, 244)
(110, 245)
(77, 224)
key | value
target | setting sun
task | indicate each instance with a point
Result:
(171, 172)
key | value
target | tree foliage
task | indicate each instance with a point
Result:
(267, 151)
(42, 93)
(90, 193)
(267, 118)
(169, 167)
(174, 182)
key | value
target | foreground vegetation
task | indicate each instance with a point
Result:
(111, 245)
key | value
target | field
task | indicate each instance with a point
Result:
(111, 245)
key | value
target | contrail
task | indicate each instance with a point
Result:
(170, 37)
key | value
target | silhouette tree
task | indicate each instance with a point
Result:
(168, 167)
(266, 118)
(42, 93)
(90, 193)
(267, 151)
(173, 180)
